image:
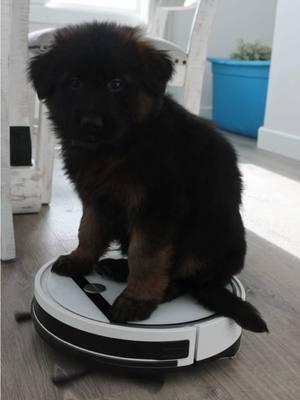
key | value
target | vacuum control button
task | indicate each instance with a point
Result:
(94, 288)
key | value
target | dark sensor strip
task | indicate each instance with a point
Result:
(96, 298)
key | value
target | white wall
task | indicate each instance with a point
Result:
(281, 130)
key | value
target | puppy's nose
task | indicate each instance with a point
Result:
(91, 123)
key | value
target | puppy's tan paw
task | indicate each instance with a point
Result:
(127, 309)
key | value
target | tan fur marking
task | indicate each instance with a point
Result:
(66, 33)
(112, 176)
(146, 106)
(129, 33)
(90, 244)
(135, 196)
(187, 268)
(148, 269)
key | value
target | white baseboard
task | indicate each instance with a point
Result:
(206, 112)
(279, 142)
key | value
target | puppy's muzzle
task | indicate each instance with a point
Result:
(91, 124)
(90, 127)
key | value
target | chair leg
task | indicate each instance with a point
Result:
(46, 153)
(197, 50)
(8, 250)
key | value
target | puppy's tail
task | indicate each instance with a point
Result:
(228, 304)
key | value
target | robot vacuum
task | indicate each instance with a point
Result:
(72, 315)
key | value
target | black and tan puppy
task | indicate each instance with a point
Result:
(157, 179)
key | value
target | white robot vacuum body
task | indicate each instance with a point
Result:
(72, 314)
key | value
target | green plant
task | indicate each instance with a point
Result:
(252, 51)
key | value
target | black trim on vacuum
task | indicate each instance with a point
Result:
(110, 346)
(96, 298)
(97, 359)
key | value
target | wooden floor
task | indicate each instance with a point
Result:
(267, 366)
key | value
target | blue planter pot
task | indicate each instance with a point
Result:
(239, 94)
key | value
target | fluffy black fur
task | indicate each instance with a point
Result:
(142, 163)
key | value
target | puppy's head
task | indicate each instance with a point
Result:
(100, 79)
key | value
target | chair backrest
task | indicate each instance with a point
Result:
(197, 53)
(191, 61)
(202, 22)
(158, 16)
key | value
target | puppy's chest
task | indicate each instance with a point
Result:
(112, 179)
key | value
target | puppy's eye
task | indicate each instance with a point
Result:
(115, 85)
(75, 83)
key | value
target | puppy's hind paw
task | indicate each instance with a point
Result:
(116, 270)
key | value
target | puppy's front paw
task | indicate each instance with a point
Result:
(127, 309)
(69, 265)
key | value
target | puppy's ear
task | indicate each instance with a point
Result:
(157, 69)
(41, 73)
